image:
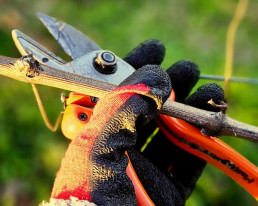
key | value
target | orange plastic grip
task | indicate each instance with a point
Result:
(75, 117)
(77, 113)
(143, 198)
(212, 150)
(72, 125)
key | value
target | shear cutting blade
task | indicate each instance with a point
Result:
(74, 43)
(26, 46)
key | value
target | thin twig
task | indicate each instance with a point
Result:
(51, 127)
(231, 33)
(28, 70)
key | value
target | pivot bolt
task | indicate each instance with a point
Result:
(105, 62)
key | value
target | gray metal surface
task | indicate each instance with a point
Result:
(81, 66)
(27, 46)
(74, 43)
(84, 66)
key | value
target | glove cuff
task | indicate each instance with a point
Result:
(72, 202)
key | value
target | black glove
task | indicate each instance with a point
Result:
(94, 166)
(166, 185)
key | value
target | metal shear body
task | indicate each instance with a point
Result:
(83, 51)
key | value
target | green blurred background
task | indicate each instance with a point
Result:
(30, 154)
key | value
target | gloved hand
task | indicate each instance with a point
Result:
(173, 178)
(94, 165)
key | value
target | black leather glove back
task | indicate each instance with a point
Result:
(168, 185)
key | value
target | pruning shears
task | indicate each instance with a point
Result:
(89, 60)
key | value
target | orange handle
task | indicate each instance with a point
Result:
(75, 117)
(212, 150)
(184, 135)
(72, 125)
(143, 198)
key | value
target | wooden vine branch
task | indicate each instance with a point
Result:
(28, 70)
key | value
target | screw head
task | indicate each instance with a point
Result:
(83, 116)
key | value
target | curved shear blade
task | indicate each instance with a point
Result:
(74, 43)
(26, 46)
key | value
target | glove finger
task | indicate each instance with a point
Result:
(181, 167)
(154, 77)
(186, 168)
(149, 52)
(205, 93)
(145, 130)
(184, 75)
(159, 188)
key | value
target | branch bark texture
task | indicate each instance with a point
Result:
(28, 70)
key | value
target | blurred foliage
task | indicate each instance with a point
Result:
(30, 155)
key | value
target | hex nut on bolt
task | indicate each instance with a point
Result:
(105, 62)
